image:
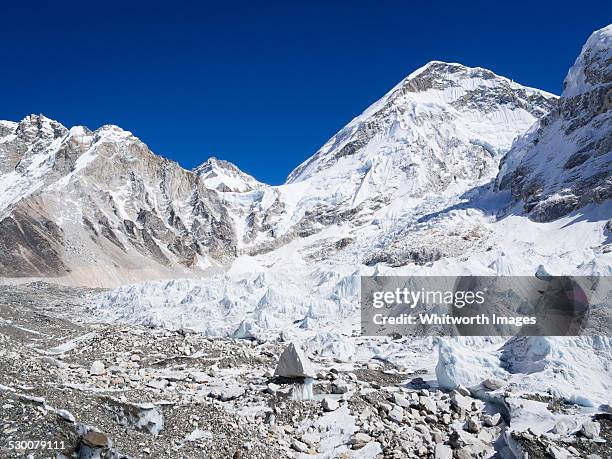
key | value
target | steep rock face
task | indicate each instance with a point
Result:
(565, 160)
(106, 200)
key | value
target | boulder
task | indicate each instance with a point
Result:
(339, 387)
(329, 404)
(428, 404)
(396, 414)
(493, 383)
(473, 425)
(562, 427)
(400, 400)
(293, 363)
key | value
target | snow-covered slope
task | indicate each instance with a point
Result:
(565, 160)
(444, 124)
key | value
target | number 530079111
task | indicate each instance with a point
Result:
(35, 444)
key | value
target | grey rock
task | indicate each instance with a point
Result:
(473, 425)
(462, 390)
(396, 414)
(231, 393)
(562, 427)
(400, 400)
(340, 387)
(329, 404)
(293, 363)
(428, 404)
(159, 384)
(311, 438)
(493, 383)
(360, 439)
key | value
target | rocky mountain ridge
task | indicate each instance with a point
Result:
(565, 161)
(101, 199)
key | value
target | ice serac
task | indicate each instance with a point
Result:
(293, 363)
(565, 160)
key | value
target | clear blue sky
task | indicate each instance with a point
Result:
(263, 85)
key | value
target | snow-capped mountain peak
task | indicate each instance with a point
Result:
(592, 67)
(565, 161)
(223, 176)
(442, 104)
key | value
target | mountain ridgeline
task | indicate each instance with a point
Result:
(99, 208)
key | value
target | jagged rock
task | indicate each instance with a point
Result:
(473, 425)
(293, 363)
(400, 400)
(231, 393)
(462, 390)
(460, 402)
(311, 438)
(159, 384)
(360, 439)
(92, 445)
(340, 387)
(461, 438)
(199, 377)
(95, 439)
(145, 417)
(272, 388)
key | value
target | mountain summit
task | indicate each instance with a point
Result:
(565, 161)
